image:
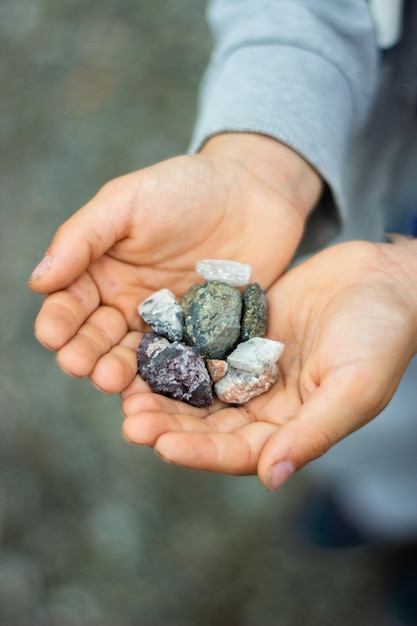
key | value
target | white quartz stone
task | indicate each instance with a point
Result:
(230, 272)
(163, 314)
(255, 355)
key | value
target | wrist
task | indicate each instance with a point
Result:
(275, 163)
(402, 258)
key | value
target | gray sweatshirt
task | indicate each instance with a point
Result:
(310, 74)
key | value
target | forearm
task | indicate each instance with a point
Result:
(301, 73)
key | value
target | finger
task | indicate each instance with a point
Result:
(116, 370)
(145, 428)
(324, 419)
(136, 387)
(63, 312)
(227, 453)
(104, 329)
(86, 236)
(149, 415)
(144, 402)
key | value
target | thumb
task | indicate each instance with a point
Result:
(323, 420)
(85, 237)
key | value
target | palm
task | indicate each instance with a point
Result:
(146, 231)
(344, 324)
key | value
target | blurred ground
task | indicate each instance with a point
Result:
(94, 532)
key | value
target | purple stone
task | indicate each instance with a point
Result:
(174, 370)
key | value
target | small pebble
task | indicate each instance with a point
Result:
(255, 355)
(212, 315)
(174, 370)
(211, 341)
(238, 386)
(217, 368)
(188, 298)
(230, 272)
(163, 314)
(254, 313)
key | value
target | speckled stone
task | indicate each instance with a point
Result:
(163, 314)
(255, 355)
(238, 386)
(174, 370)
(188, 298)
(254, 313)
(230, 272)
(217, 368)
(212, 318)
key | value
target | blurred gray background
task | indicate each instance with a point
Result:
(92, 530)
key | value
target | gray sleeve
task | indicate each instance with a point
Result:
(303, 72)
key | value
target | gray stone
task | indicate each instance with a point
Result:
(163, 314)
(255, 355)
(238, 386)
(212, 318)
(174, 370)
(255, 313)
(230, 272)
(188, 298)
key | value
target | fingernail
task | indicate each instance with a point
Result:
(41, 268)
(278, 474)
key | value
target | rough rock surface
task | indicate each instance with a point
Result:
(255, 313)
(163, 314)
(217, 368)
(212, 315)
(210, 342)
(230, 272)
(238, 386)
(174, 370)
(255, 355)
(188, 298)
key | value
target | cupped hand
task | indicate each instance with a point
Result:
(239, 199)
(347, 317)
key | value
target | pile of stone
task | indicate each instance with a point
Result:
(211, 341)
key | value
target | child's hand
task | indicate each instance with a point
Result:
(244, 198)
(348, 318)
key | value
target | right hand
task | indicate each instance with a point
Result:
(348, 318)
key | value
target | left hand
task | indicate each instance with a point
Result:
(348, 317)
(243, 197)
